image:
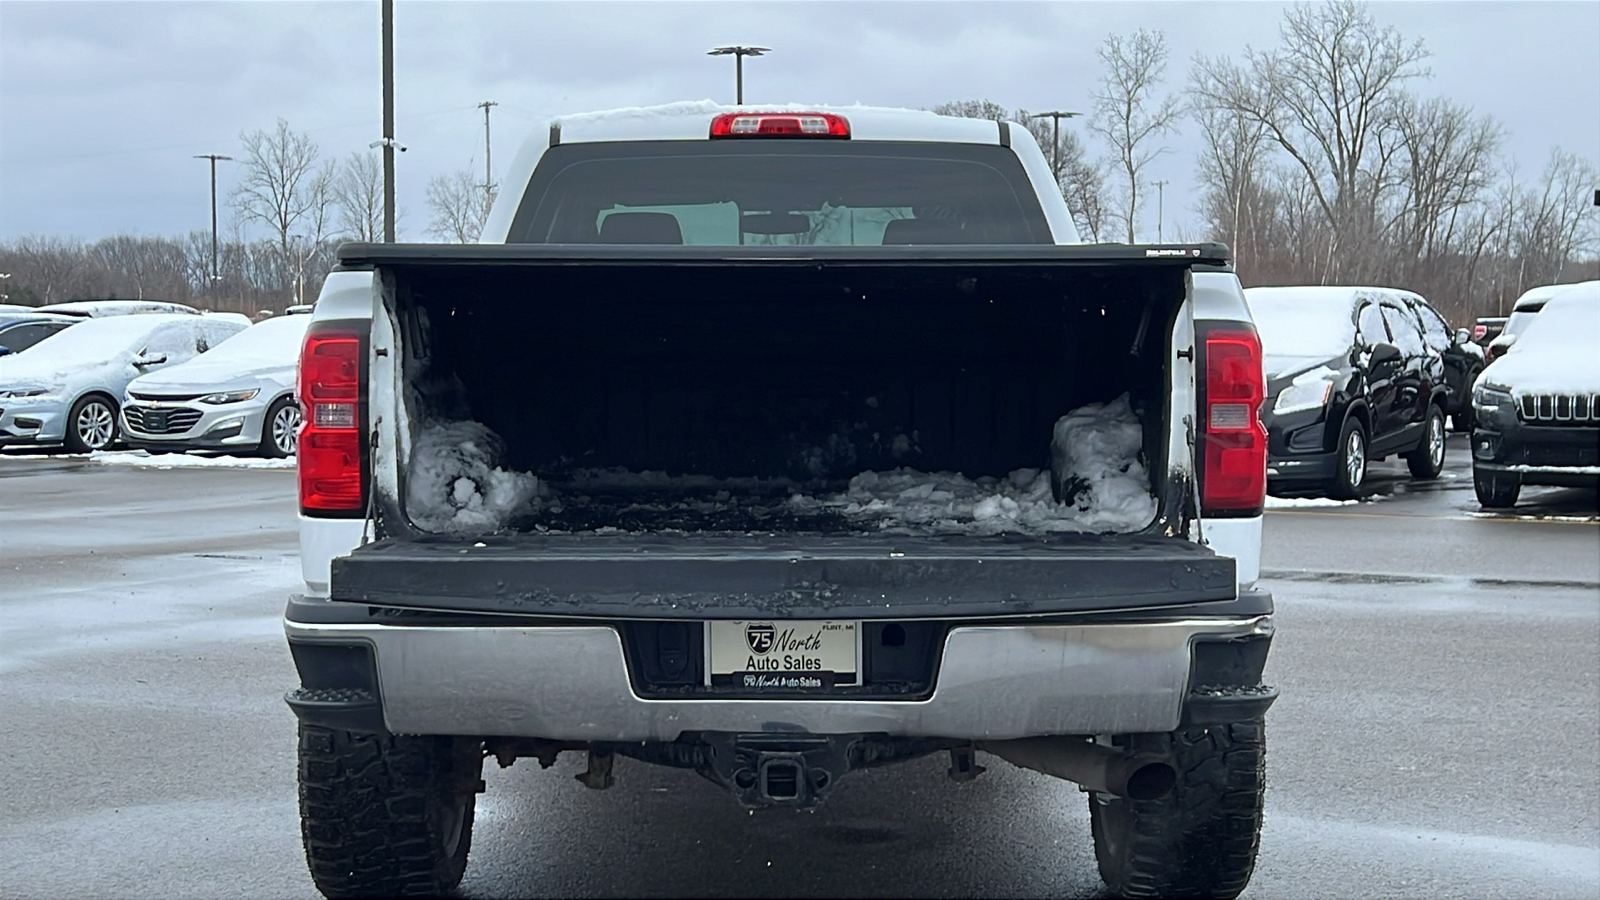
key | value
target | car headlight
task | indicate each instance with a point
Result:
(29, 392)
(1490, 395)
(229, 397)
(1304, 393)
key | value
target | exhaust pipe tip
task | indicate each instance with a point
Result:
(1151, 781)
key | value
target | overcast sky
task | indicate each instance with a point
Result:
(102, 105)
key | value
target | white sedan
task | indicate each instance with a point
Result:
(237, 396)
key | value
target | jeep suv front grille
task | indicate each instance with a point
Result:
(1573, 409)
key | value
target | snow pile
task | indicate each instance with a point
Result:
(455, 484)
(1103, 487)
(1305, 502)
(1095, 454)
(186, 461)
(946, 502)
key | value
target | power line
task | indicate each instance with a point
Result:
(488, 168)
(1161, 197)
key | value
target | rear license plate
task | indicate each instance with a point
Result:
(783, 655)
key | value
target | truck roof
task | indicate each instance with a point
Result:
(691, 120)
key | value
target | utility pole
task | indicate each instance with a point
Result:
(388, 121)
(488, 170)
(1161, 193)
(738, 53)
(215, 276)
(1055, 137)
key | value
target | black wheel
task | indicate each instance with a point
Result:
(1496, 490)
(1427, 461)
(385, 816)
(92, 424)
(1351, 460)
(1200, 840)
(280, 428)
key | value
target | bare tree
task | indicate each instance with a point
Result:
(974, 109)
(1331, 99)
(283, 187)
(1556, 219)
(1126, 111)
(358, 197)
(1081, 181)
(459, 207)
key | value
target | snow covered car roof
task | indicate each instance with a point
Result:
(1556, 354)
(28, 314)
(1311, 321)
(95, 309)
(96, 343)
(1535, 297)
(268, 349)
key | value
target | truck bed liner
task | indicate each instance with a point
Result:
(794, 576)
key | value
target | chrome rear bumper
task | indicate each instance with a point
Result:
(571, 683)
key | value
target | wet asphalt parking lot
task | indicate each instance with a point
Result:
(1438, 734)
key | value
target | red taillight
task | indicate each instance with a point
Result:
(1234, 476)
(330, 436)
(1478, 331)
(775, 124)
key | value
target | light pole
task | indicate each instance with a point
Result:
(1161, 196)
(1055, 137)
(215, 276)
(300, 260)
(738, 53)
(388, 144)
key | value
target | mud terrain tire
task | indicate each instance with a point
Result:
(386, 816)
(1200, 840)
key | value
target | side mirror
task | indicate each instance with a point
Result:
(1383, 354)
(145, 360)
(1463, 336)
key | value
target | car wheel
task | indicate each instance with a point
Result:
(1496, 490)
(92, 424)
(386, 815)
(1427, 461)
(1201, 839)
(280, 428)
(1352, 461)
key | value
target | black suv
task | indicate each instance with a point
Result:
(1354, 375)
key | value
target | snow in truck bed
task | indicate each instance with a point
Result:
(456, 485)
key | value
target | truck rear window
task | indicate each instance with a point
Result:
(779, 193)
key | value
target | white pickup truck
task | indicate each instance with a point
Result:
(775, 444)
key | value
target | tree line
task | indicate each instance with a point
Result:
(1322, 162)
(290, 210)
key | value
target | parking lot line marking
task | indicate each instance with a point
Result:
(1461, 518)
